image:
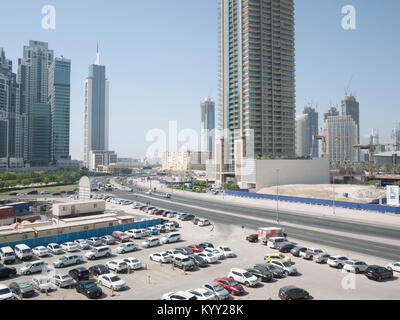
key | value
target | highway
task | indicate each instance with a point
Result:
(320, 238)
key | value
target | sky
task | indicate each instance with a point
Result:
(162, 59)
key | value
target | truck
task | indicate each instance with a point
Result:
(265, 233)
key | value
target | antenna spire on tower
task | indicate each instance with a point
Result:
(97, 61)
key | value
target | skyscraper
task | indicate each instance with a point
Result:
(41, 148)
(59, 99)
(208, 125)
(96, 110)
(396, 136)
(257, 76)
(33, 75)
(302, 136)
(351, 107)
(312, 124)
(331, 113)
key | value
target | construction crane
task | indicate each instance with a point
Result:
(371, 147)
(324, 140)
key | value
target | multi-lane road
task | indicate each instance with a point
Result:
(249, 217)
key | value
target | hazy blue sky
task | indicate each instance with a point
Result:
(161, 58)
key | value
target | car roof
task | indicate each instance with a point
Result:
(289, 287)
(239, 270)
(223, 279)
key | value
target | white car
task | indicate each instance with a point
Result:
(118, 265)
(43, 284)
(5, 293)
(228, 253)
(179, 295)
(163, 257)
(134, 233)
(144, 233)
(310, 253)
(203, 222)
(220, 255)
(394, 266)
(244, 277)
(55, 248)
(355, 266)
(83, 244)
(209, 257)
(150, 242)
(133, 263)
(67, 260)
(273, 241)
(337, 261)
(33, 267)
(40, 251)
(62, 280)
(112, 281)
(203, 294)
(70, 247)
(95, 241)
(127, 247)
(289, 269)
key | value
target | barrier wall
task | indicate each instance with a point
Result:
(171, 183)
(343, 204)
(61, 238)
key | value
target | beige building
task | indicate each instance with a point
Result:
(184, 160)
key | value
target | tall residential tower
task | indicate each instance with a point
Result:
(208, 125)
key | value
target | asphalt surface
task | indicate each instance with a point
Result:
(377, 249)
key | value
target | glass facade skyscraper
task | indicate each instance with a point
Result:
(41, 138)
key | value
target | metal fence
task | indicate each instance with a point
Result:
(343, 204)
(61, 238)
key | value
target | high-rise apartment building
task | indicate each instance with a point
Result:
(59, 91)
(257, 76)
(41, 140)
(351, 107)
(331, 113)
(208, 125)
(33, 76)
(302, 136)
(313, 130)
(96, 110)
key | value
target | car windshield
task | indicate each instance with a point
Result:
(115, 279)
(44, 281)
(247, 275)
(26, 251)
(286, 264)
(4, 291)
(233, 283)
(8, 254)
(186, 260)
(89, 285)
(226, 249)
(24, 285)
(56, 246)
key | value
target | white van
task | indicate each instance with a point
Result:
(98, 252)
(7, 255)
(171, 237)
(135, 233)
(272, 242)
(23, 252)
(170, 226)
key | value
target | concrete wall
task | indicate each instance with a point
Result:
(315, 171)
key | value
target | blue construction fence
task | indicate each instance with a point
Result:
(343, 204)
(172, 183)
(61, 238)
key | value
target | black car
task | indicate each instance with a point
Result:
(273, 269)
(98, 269)
(285, 247)
(13, 194)
(262, 273)
(6, 272)
(293, 293)
(56, 194)
(79, 274)
(296, 251)
(206, 245)
(188, 217)
(89, 289)
(34, 192)
(198, 261)
(378, 273)
(252, 238)
(22, 289)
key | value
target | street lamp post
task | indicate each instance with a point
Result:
(333, 178)
(277, 196)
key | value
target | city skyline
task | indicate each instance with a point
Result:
(372, 86)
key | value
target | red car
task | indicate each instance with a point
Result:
(158, 212)
(195, 248)
(141, 208)
(230, 285)
(120, 236)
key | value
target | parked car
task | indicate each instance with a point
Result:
(127, 247)
(183, 262)
(203, 294)
(297, 250)
(68, 260)
(79, 274)
(337, 261)
(163, 257)
(7, 255)
(95, 241)
(179, 296)
(277, 272)
(195, 248)
(112, 281)
(274, 241)
(209, 257)
(82, 244)
(263, 274)
(5, 293)
(185, 251)
(271, 256)
(206, 245)
(98, 269)
(70, 247)
(289, 269)
(150, 242)
(203, 222)
(217, 290)
(134, 233)
(394, 266)
(55, 248)
(171, 237)
(355, 266)
(22, 289)
(310, 252)
(170, 226)
(285, 247)
(198, 261)
(89, 289)
(220, 255)
(292, 293)
(98, 252)
(378, 273)
(244, 277)
(117, 265)
(230, 285)
(252, 238)
(23, 252)
(43, 284)
(188, 217)
(321, 257)
(62, 280)
(40, 251)
(227, 252)
(195, 221)
(7, 272)
(33, 267)
(120, 236)
(133, 263)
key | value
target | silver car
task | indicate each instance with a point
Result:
(217, 290)
(68, 260)
(289, 269)
(62, 280)
(321, 257)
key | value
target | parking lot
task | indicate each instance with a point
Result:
(321, 281)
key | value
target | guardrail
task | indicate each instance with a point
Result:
(343, 204)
